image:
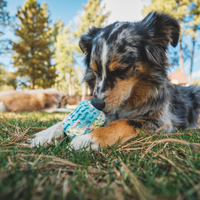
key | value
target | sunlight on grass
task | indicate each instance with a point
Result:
(150, 166)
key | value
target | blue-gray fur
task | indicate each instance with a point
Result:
(143, 42)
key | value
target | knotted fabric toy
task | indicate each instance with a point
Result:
(84, 119)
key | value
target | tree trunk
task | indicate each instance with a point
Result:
(192, 55)
(181, 50)
(70, 87)
(181, 56)
(32, 83)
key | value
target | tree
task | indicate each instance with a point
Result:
(2, 75)
(33, 51)
(64, 56)
(67, 48)
(93, 15)
(194, 26)
(178, 10)
(8, 80)
(4, 22)
(196, 82)
(4, 42)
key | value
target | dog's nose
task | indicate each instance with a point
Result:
(98, 104)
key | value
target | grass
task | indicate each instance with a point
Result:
(148, 167)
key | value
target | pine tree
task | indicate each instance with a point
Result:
(4, 43)
(4, 22)
(64, 57)
(66, 45)
(33, 49)
(93, 15)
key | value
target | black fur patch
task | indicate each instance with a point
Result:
(135, 123)
(131, 44)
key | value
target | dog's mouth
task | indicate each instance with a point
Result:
(98, 104)
(105, 106)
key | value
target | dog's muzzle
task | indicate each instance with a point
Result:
(98, 104)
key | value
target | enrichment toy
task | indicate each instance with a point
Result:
(84, 119)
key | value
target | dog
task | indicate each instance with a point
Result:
(127, 67)
(76, 99)
(46, 100)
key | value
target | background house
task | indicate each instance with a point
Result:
(178, 78)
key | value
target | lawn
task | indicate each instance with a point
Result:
(150, 166)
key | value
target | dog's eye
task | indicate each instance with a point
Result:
(120, 70)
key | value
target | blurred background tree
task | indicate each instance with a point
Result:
(178, 10)
(48, 55)
(93, 15)
(193, 27)
(67, 49)
(7, 79)
(32, 57)
(64, 57)
(188, 14)
(4, 22)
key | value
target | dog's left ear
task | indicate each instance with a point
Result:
(161, 30)
(85, 42)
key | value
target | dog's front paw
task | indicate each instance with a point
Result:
(50, 136)
(84, 141)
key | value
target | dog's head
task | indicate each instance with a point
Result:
(127, 62)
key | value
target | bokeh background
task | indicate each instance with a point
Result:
(39, 39)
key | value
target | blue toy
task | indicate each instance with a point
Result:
(84, 119)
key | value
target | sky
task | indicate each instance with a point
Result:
(121, 10)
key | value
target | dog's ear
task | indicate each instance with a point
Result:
(161, 30)
(90, 79)
(85, 42)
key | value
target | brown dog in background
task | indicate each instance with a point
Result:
(33, 100)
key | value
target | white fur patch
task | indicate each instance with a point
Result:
(84, 141)
(104, 58)
(50, 136)
(166, 118)
(2, 107)
(104, 55)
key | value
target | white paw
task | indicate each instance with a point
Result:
(50, 136)
(84, 141)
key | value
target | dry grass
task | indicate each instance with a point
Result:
(149, 167)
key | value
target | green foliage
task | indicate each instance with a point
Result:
(4, 22)
(196, 82)
(64, 56)
(188, 14)
(2, 77)
(194, 22)
(33, 51)
(93, 15)
(175, 8)
(11, 79)
(66, 45)
(8, 80)
(4, 19)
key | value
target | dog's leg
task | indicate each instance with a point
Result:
(120, 130)
(50, 136)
